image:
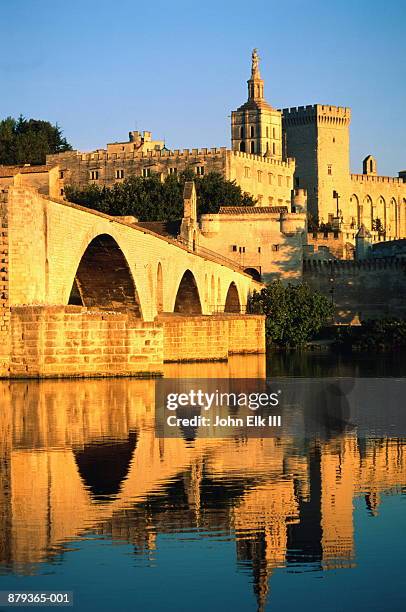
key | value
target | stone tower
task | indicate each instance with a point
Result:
(256, 127)
(317, 136)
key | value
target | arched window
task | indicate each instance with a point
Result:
(242, 134)
(242, 146)
(252, 131)
(252, 146)
(273, 148)
(267, 132)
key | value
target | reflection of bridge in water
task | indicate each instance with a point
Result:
(80, 457)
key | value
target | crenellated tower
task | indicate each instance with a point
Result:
(256, 127)
(317, 136)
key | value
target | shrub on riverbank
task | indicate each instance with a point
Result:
(372, 335)
(294, 313)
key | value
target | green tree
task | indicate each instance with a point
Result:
(150, 199)
(294, 313)
(28, 141)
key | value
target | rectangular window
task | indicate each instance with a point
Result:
(270, 200)
(329, 170)
(172, 170)
(270, 178)
(287, 181)
(275, 247)
(200, 170)
(234, 248)
(146, 172)
(259, 249)
(61, 174)
(119, 174)
(94, 175)
(61, 192)
(279, 180)
(259, 174)
(247, 172)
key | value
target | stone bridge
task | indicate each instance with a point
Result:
(73, 267)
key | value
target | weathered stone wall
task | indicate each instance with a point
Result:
(367, 289)
(48, 341)
(4, 287)
(379, 197)
(72, 341)
(268, 179)
(210, 338)
(269, 242)
(246, 334)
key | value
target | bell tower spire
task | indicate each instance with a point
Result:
(255, 83)
(256, 127)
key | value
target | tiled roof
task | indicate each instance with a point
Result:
(251, 210)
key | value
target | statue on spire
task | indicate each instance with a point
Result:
(255, 62)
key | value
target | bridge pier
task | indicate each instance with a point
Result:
(73, 341)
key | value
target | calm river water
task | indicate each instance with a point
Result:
(93, 503)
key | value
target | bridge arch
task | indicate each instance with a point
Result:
(232, 303)
(254, 273)
(103, 277)
(187, 299)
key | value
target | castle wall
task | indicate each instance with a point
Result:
(339, 244)
(268, 242)
(270, 180)
(380, 197)
(368, 289)
(77, 167)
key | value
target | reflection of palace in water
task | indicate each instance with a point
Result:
(82, 456)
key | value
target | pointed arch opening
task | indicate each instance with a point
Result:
(103, 278)
(187, 298)
(232, 299)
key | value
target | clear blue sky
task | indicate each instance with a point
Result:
(101, 68)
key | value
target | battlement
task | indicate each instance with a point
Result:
(320, 113)
(289, 162)
(349, 266)
(103, 155)
(369, 178)
(197, 154)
